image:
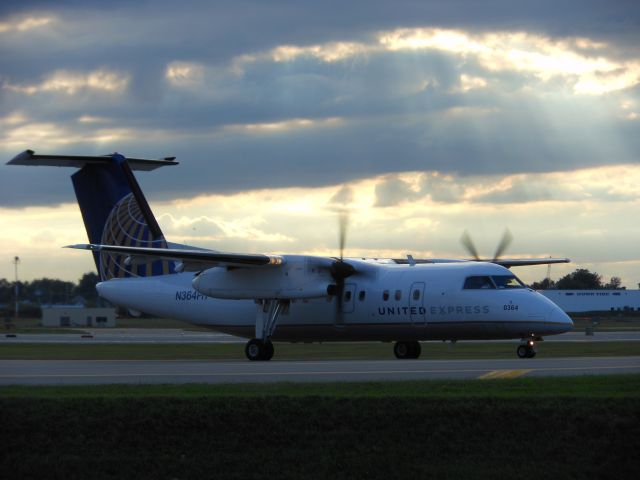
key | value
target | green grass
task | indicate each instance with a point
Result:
(288, 351)
(596, 386)
(319, 437)
(47, 330)
(33, 325)
(606, 323)
(158, 323)
(577, 427)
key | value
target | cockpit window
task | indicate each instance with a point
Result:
(478, 282)
(507, 281)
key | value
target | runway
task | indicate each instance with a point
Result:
(91, 372)
(142, 335)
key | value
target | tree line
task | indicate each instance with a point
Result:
(47, 291)
(580, 279)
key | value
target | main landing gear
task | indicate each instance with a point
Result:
(527, 350)
(267, 313)
(407, 349)
(258, 350)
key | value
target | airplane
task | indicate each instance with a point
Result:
(295, 298)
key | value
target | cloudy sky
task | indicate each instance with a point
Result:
(422, 118)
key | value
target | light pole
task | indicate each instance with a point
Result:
(16, 261)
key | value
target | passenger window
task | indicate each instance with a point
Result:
(347, 296)
(398, 295)
(479, 282)
(385, 295)
(361, 295)
(416, 294)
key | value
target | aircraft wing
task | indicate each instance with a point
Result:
(526, 262)
(199, 258)
(505, 262)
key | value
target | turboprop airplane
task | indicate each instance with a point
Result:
(295, 298)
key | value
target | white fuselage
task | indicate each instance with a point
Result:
(388, 303)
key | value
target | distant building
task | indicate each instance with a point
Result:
(578, 301)
(77, 316)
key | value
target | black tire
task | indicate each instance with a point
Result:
(416, 350)
(531, 352)
(402, 350)
(523, 351)
(405, 350)
(268, 350)
(255, 349)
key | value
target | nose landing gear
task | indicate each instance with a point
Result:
(527, 350)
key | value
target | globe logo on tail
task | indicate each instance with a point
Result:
(126, 226)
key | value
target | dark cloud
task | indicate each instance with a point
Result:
(398, 111)
(342, 197)
(523, 192)
(142, 33)
(342, 153)
(393, 191)
(442, 189)
(313, 21)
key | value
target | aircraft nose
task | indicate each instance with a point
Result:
(559, 320)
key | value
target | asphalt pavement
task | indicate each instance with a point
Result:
(168, 335)
(90, 372)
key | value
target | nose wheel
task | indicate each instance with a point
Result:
(527, 350)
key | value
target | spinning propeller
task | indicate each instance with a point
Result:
(340, 269)
(505, 241)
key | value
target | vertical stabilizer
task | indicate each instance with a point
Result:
(113, 207)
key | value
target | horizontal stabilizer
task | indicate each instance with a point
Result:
(29, 158)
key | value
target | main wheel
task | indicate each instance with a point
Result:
(401, 350)
(268, 350)
(523, 351)
(416, 350)
(257, 350)
(405, 350)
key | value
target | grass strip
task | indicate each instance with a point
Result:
(588, 386)
(289, 351)
(44, 330)
(320, 437)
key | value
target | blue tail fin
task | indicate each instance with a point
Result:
(114, 209)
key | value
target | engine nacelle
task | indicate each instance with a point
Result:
(296, 278)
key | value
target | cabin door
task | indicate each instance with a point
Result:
(348, 298)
